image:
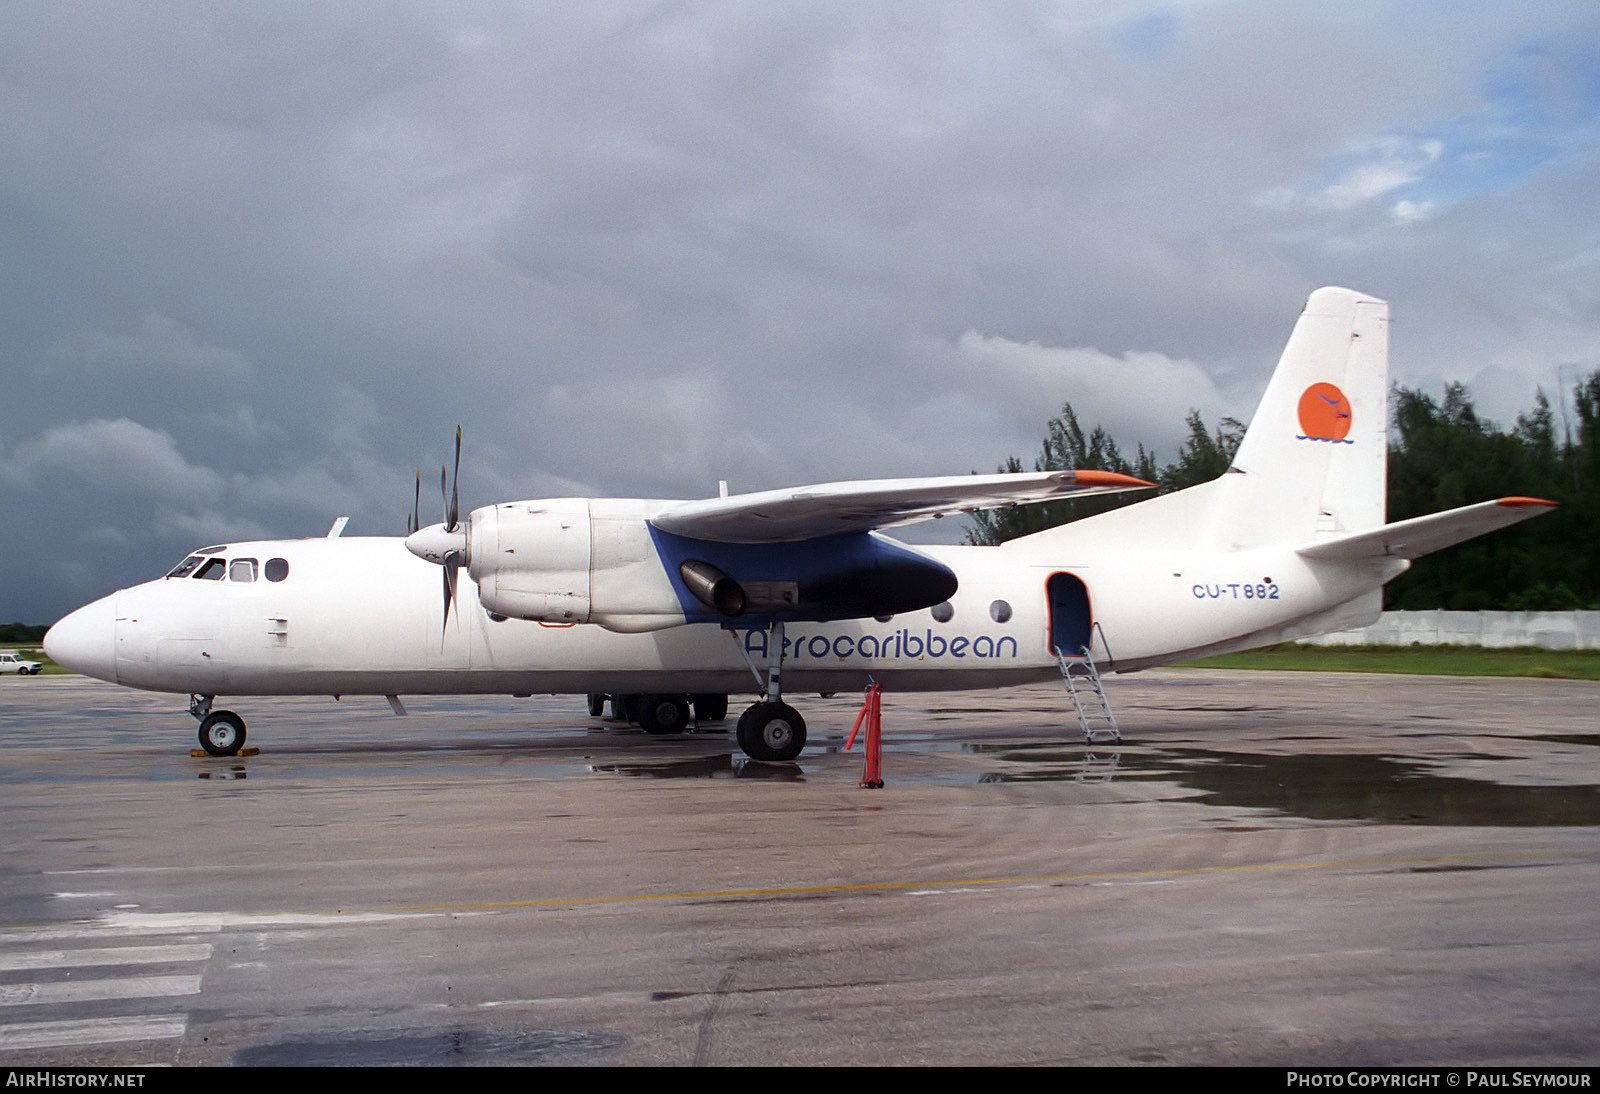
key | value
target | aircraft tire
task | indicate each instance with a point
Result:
(597, 705)
(710, 708)
(773, 732)
(222, 733)
(664, 714)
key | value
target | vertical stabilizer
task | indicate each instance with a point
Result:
(1316, 454)
(1313, 463)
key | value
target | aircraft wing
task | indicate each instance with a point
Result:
(807, 512)
(1424, 535)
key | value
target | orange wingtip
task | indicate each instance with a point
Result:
(1108, 478)
(1518, 502)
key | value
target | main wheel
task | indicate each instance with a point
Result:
(710, 708)
(774, 732)
(664, 713)
(597, 705)
(222, 733)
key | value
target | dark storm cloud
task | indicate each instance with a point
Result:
(260, 260)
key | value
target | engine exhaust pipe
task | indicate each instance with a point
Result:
(713, 588)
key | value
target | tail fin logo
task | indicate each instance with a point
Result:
(1325, 414)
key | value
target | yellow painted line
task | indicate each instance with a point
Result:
(891, 886)
(298, 918)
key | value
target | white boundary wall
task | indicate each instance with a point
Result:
(1547, 630)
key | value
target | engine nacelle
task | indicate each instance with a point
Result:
(592, 560)
(531, 559)
(571, 560)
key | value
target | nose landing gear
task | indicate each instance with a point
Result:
(221, 731)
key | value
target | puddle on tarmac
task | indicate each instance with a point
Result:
(722, 765)
(434, 1048)
(1571, 739)
(1362, 788)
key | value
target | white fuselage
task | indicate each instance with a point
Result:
(364, 616)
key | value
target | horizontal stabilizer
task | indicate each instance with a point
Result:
(1411, 539)
(806, 512)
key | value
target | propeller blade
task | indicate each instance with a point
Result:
(450, 553)
(416, 506)
(455, 503)
(452, 563)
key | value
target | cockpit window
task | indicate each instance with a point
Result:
(276, 569)
(212, 570)
(242, 569)
(186, 567)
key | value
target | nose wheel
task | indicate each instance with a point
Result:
(221, 731)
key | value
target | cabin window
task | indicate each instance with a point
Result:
(943, 613)
(1000, 611)
(242, 569)
(276, 569)
(213, 570)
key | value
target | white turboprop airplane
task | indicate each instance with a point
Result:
(661, 604)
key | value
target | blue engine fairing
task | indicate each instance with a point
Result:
(849, 576)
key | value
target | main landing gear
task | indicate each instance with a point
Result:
(770, 729)
(661, 713)
(221, 731)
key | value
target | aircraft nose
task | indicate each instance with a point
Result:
(86, 640)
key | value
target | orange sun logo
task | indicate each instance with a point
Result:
(1324, 413)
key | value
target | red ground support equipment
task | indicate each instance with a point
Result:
(872, 714)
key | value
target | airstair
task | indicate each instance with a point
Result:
(1088, 697)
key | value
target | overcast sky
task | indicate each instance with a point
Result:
(258, 260)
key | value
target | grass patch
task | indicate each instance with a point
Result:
(1418, 660)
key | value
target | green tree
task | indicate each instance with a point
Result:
(1066, 448)
(1442, 455)
(1203, 456)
